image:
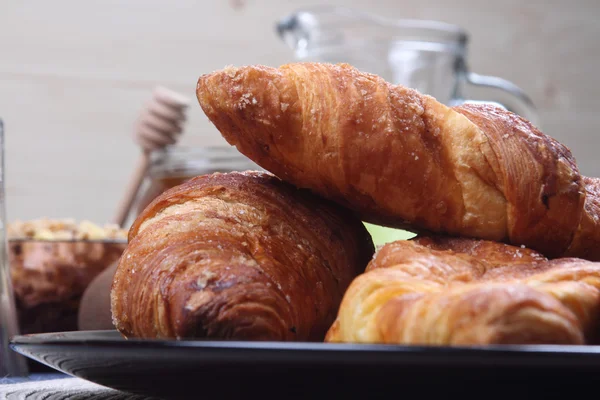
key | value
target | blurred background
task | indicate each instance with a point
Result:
(77, 77)
(74, 76)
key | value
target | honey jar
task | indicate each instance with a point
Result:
(174, 165)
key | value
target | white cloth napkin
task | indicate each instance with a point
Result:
(59, 388)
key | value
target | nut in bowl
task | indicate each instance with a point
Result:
(52, 263)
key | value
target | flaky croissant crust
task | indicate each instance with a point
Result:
(237, 256)
(403, 159)
(455, 291)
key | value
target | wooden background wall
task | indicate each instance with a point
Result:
(74, 74)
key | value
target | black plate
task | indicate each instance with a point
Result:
(205, 369)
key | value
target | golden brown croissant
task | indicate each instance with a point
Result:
(403, 159)
(237, 256)
(456, 291)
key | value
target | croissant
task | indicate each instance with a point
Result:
(240, 255)
(402, 159)
(434, 290)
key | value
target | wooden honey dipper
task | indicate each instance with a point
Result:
(160, 124)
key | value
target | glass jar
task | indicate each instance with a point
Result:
(174, 165)
(430, 56)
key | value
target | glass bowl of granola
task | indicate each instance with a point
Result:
(52, 262)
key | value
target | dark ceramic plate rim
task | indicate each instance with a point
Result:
(112, 338)
(354, 370)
